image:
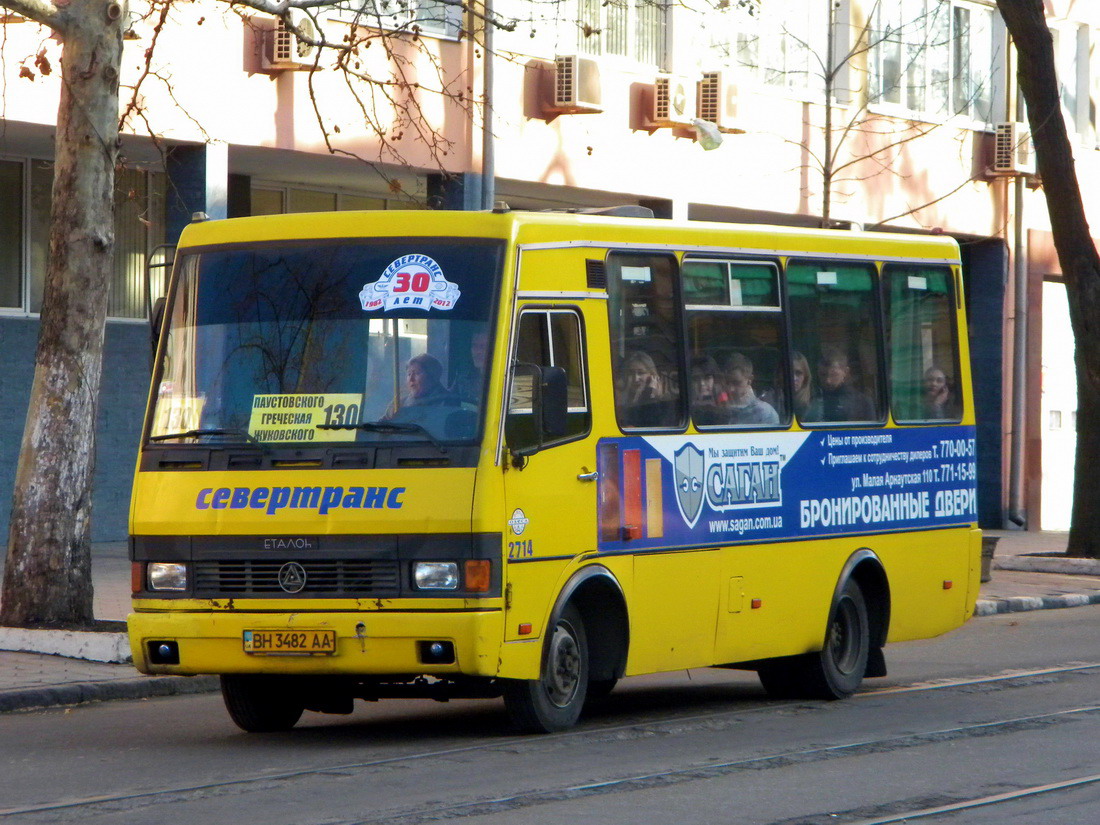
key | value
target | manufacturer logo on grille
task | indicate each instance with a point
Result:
(289, 543)
(292, 577)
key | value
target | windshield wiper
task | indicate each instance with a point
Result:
(389, 427)
(247, 437)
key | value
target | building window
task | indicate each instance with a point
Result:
(1071, 57)
(793, 52)
(11, 234)
(936, 57)
(781, 46)
(139, 228)
(308, 200)
(1055, 420)
(972, 62)
(633, 29)
(434, 17)
(41, 186)
(270, 200)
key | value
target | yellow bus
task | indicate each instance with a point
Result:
(518, 454)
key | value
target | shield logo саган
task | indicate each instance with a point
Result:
(689, 466)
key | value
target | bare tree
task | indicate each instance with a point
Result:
(47, 578)
(1076, 250)
(857, 143)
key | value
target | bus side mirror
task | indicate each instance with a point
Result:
(523, 425)
(555, 401)
(537, 411)
(156, 323)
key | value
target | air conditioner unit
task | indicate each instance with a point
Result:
(283, 49)
(673, 101)
(1013, 152)
(717, 102)
(577, 85)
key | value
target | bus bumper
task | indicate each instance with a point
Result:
(388, 643)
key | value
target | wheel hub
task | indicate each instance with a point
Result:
(843, 646)
(563, 668)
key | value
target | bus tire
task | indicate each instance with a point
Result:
(836, 672)
(261, 704)
(553, 702)
(843, 661)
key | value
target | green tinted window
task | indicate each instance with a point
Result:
(920, 309)
(646, 342)
(834, 326)
(736, 344)
(730, 283)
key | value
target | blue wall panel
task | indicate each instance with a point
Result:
(121, 409)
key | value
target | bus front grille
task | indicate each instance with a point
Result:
(337, 577)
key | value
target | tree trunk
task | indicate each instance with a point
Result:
(47, 580)
(1076, 251)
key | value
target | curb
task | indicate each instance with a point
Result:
(1020, 604)
(80, 693)
(1047, 564)
(92, 646)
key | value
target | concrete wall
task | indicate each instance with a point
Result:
(121, 409)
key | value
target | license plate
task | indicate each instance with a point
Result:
(290, 641)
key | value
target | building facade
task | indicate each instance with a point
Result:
(886, 116)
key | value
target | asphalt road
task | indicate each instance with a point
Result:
(997, 722)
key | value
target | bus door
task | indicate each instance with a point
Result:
(549, 477)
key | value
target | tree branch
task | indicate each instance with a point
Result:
(40, 11)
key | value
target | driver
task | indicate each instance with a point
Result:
(423, 390)
(424, 381)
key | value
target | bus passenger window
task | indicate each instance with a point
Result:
(920, 311)
(645, 340)
(548, 338)
(833, 313)
(736, 340)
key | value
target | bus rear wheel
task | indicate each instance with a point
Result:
(553, 702)
(261, 704)
(837, 671)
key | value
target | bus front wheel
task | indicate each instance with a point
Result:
(261, 704)
(553, 702)
(837, 671)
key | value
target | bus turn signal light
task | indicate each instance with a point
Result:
(478, 575)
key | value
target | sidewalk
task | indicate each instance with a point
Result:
(1020, 581)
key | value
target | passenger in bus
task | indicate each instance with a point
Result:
(939, 400)
(707, 398)
(641, 395)
(469, 383)
(838, 400)
(742, 406)
(802, 384)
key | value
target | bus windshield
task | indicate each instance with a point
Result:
(350, 341)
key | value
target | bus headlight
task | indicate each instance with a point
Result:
(167, 576)
(435, 575)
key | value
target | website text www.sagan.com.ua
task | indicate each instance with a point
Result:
(745, 525)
